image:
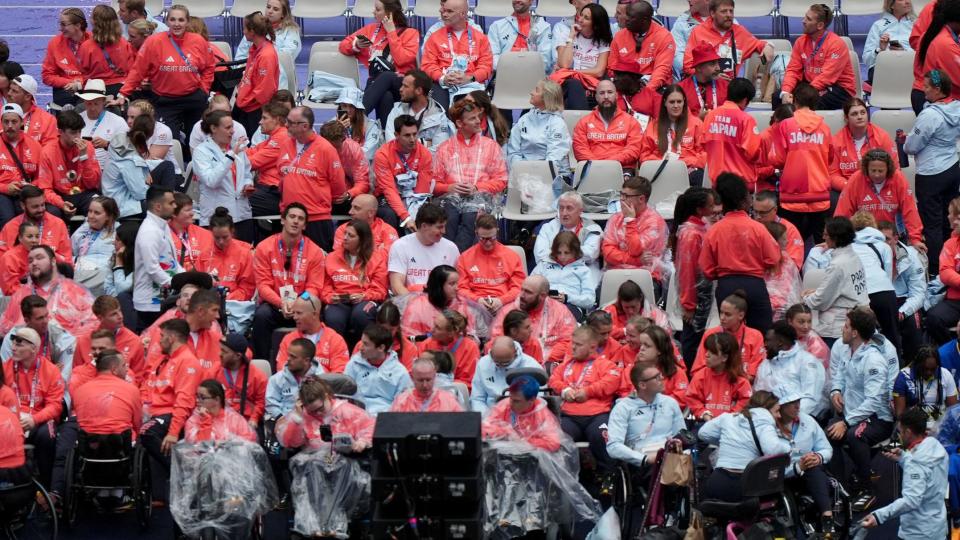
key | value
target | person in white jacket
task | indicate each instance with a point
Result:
(224, 175)
(571, 281)
(788, 364)
(844, 284)
(878, 267)
(490, 377)
(155, 258)
(541, 134)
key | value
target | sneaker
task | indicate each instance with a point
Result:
(862, 501)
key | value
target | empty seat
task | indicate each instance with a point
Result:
(892, 80)
(204, 8)
(331, 62)
(554, 8)
(517, 75)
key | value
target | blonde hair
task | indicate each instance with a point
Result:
(106, 25)
(145, 27)
(863, 219)
(888, 8)
(287, 20)
(145, 107)
(552, 95)
(218, 99)
(179, 7)
(197, 26)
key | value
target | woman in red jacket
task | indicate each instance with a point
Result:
(656, 348)
(852, 143)
(106, 56)
(230, 261)
(721, 388)
(61, 68)
(212, 420)
(388, 48)
(356, 281)
(733, 311)
(13, 263)
(261, 75)
(695, 291)
(676, 134)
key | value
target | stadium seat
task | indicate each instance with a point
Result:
(753, 65)
(672, 8)
(497, 9)
(848, 41)
(205, 8)
(331, 62)
(242, 8)
(224, 48)
(327, 9)
(522, 254)
(512, 209)
(571, 118)
(762, 118)
(855, 62)
(890, 121)
(286, 63)
(784, 11)
(754, 8)
(363, 9)
(517, 75)
(612, 279)
(262, 365)
(178, 154)
(833, 119)
(554, 8)
(428, 9)
(155, 7)
(673, 178)
(601, 175)
(892, 80)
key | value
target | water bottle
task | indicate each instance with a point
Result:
(901, 153)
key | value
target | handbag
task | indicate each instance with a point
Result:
(383, 63)
(695, 530)
(677, 469)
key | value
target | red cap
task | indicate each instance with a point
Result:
(703, 53)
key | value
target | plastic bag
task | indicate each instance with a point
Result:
(220, 487)
(599, 203)
(240, 315)
(326, 87)
(608, 528)
(328, 490)
(528, 489)
(487, 203)
(536, 196)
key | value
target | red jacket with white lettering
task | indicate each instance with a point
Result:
(478, 161)
(56, 162)
(498, 273)
(169, 73)
(690, 148)
(265, 157)
(49, 401)
(732, 142)
(314, 179)
(341, 277)
(403, 43)
(93, 60)
(949, 267)
(231, 268)
(803, 149)
(256, 391)
(260, 78)
(387, 165)
(627, 241)
(53, 233)
(40, 125)
(828, 66)
(172, 388)
(331, 352)
(13, 268)
(621, 140)
(738, 245)
(269, 268)
(60, 65)
(598, 375)
(712, 392)
(384, 235)
(655, 58)
(28, 151)
(473, 43)
(746, 44)
(894, 199)
(846, 160)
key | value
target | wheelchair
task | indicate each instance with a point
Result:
(802, 511)
(27, 511)
(762, 488)
(107, 462)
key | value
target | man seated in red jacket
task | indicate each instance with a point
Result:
(523, 416)
(608, 132)
(402, 166)
(490, 272)
(364, 208)
(705, 88)
(108, 404)
(424, 396)
(641, 60)
(458, 58)
(69, 172)
(19, 160)
(821, 59)
(244, 386)
(331, 350)
(53, 231)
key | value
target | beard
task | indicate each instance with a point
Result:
(41, 277)
(607, 110)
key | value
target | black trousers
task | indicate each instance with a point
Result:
(575, 95)
(858, 448)
(165, 175)
(723, 485)
(249, 120)
(182, 112)
(817, 484)
(917, 100)
(387, 214)
(809, 224)
(380, 95)
(321, 233)
(151, 437)
(884, 306)
(759, 312)
(587, 428)
(911, 335)
(145, 319)
(265, 320)
(460, 227)
(62, 97)
(66, 439)
(934, 193)
(833, 99)
(265, 201)
(349, 320)
(941, 320)
(43, 437)
(441, 95)
(689, 343)
(81, 202)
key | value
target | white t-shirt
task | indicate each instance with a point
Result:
(415, 260)
(586, 52)
(162, 136)
(106, 129)
(197, 136)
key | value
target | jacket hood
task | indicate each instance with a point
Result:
(869, 345)
(123, 148)
(808, 120)
(949, 111)
(929, 453)
(869, 235)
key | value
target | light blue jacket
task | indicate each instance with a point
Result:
(490, 380)
(377, 387)
(933, 138)
(796, 367)
(160, 26)
(736, 446)
(590, 235)
(503, 34)
(540, 136)
(950, 427)
(864, 381)
(809, 437)
(899, 30)
(288, 41)
(435, 127)
(911, 280)
(574, 280)
(840, 354)
(373, 139)
(100, 248)
(125, 177)
(283, 389)
(629, 427)
(214, 169)
(817, 259)
(878, 269)
(923, 515)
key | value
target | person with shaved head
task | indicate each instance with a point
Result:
(552, 322)
(364, 208)
(458, 58)
(424, 396)
(607, 132)
(490, 377)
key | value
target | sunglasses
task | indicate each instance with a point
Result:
(306, 296)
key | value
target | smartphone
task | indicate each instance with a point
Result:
(363, 39)
(341, 114)
(86, 138)
(895, 43)
(326, 434)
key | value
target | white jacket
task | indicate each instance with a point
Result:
(215, 170)
(877, 259)
(844, 287)
(154, 262)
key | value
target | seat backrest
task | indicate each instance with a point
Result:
(863, 7)
(848, 41)
(612, 279)
(764, 475)
(572, 117)
(178, 153)
(598, 176)
(242, 8)
(224, 48)
(319, 10)
(892, 79)
(674, 177)
(520, 253)
(833, 119)
(858, 77)
(517, 75)
(262, 365)
(364, 8)
(426, 8)
(493, 8)
(670, 8)
(286, 62)
(203, 8)
(890, 121)
(340, 384)
(762, 118)
(324, 46)
(551, 8)
(754, 8)
(335, 63)
(538, 374)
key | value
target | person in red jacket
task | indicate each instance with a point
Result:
(364, 208)
(13, 468)
(108, 404)
(244, 385)
(127, 343)
(643, 47)
(311, 174)
(516, 326)
(213, 420)
(106, 55)
(261, 75)
(387, 41)
(730, 136)
(937, 49)
(631, 303)
(203, 316)
(356, 169)
(803, 151)
(657, 350)
(19, 160)
(355, 281)
(53, 231)
(705, 81)
(852, 142)
(732, 321)
(331, 350)
(607, 132)
(69, 172)
(721, 388)
(733, 43)
(40, 125)
(458, 57)
(765, 211)
(523, 416)
(737, 251)
(61, 68)
(264, 158)
(880, 188)
(676, 134)
(191, 241)
(822, 60)
(179, 66)
(449, 334)
(170, 391)
(424, 397)
(587, 384)
(99, 341)
(694, 207)
(13, 262)
(920, 27)
(490, 273)
(636, 236)
(943, 317)
(229, 261)
(402, 167)
(551, 321)
(285, 266)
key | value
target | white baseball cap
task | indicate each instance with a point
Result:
(12, 108)
(28, 83)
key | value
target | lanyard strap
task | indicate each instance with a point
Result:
(16, 159)
(469, 42)
(182, 56)
(703, 104)
(816, 47)
(113, 67)
(583, 373)
(300, 153)
(96, 124)
(34, 386)
(296, 269)
(404, 162)
(87, 242)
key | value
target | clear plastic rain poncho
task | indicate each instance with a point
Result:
(328, 490)
(221, 487)
(528, 489)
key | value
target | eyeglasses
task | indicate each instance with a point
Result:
(625, 195)
(315, 411)
(658, 376)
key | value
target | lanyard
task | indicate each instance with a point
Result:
(88, 242)
(696, 87)
(319, 337)
(97, 123)
(373, 38)
(300, 153)
(583, 373)
(456, 345)
(426, 404)
(296, 269)
(182, 56)
(649, 428)
(816, 47)
(185, 250)
(404, 161)
(45, 345)
(228, 376)
(515, 24)
(33, 389)
(469, 42)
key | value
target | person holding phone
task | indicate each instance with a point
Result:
(890, 33)
(355, 282)
(212, 420)
(732, 43)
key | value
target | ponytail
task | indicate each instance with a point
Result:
(943, 12)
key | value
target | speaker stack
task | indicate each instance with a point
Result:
(426, 476)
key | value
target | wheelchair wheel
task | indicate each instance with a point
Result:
(71, 494)
(141, 487)
(621, 497)
(39, 520)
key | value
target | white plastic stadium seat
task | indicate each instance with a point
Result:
(313, 9)
(512, 210)
(892, 80)
(242, 8)
(602, 175)
(428, 8)
(672, 8)
(517, 75)
(833, 119)
(364, 8)
(612, 279)
(673, 178)
(571, 118)
(862, 7)
(262, 365)
(890, 121)
(331, 62)
(286, 63)
(325, 46)
(762, 118)
(224, 48)
(553, 8)
(753, 8)
(178, 154)
(493, 8)
(204, 8)
(522, 254)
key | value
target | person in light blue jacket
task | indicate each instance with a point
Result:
(933, 140)
(568, 275)
(415, 100)
(641, 423)
(890, 33)
(125, 177)
(732, 434)
(379, 375)
(541, 134)
(910, 285)
(224, 175)
(876, 256)
(287, 32)
(788, 363)
(94, 244)
(490, 376)
(570, 218)
(351, 114)
(922, 513)
(503, 34)
(284, 385)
